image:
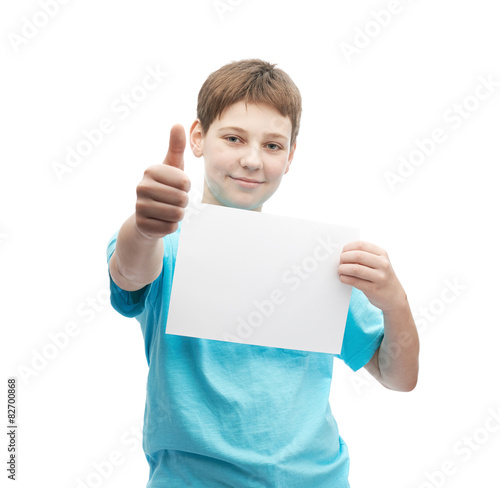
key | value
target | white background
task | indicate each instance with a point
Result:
(84, 404)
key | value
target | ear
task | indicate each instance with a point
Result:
(196, 137)
(290, 157)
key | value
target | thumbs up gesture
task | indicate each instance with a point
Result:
(162, 194)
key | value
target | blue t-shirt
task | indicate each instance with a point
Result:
(222, 414)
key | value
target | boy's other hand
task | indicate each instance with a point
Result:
(367, 267)
(162, 193)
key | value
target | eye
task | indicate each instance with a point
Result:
(273, 144)
(232, 137)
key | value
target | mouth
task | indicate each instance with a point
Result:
(247, 182)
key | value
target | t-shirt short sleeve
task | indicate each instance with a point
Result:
(364, 331)
(129, 303)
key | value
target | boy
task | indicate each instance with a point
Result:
(222, 414)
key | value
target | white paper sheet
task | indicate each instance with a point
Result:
(255, 278)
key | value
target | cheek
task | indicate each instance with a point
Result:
(276, 171)
(219, 162)
(214, 164)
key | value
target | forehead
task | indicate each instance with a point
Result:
(257, 118)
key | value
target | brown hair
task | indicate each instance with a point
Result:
(254, 81)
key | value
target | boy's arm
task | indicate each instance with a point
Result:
(367, 267)
(137, 260)
(162, 196)
(395, 362)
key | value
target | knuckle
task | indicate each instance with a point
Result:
(178, 213)
(171, 227)
(140, 206)
(142, 188)
(357, 255)
(184, 200)
(139, 189)
(149, 171)
(185, 183)
(139, 220)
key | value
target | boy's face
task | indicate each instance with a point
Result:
(246, 143)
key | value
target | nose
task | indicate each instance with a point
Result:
(251, 158)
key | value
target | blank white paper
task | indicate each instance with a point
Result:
(253, 278)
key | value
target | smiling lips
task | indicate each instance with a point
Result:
(247, 182)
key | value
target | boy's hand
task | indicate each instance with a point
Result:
(367, 267)
(162, 193)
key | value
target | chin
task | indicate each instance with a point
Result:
(243, 205)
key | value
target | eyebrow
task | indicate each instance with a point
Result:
(267, 134)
